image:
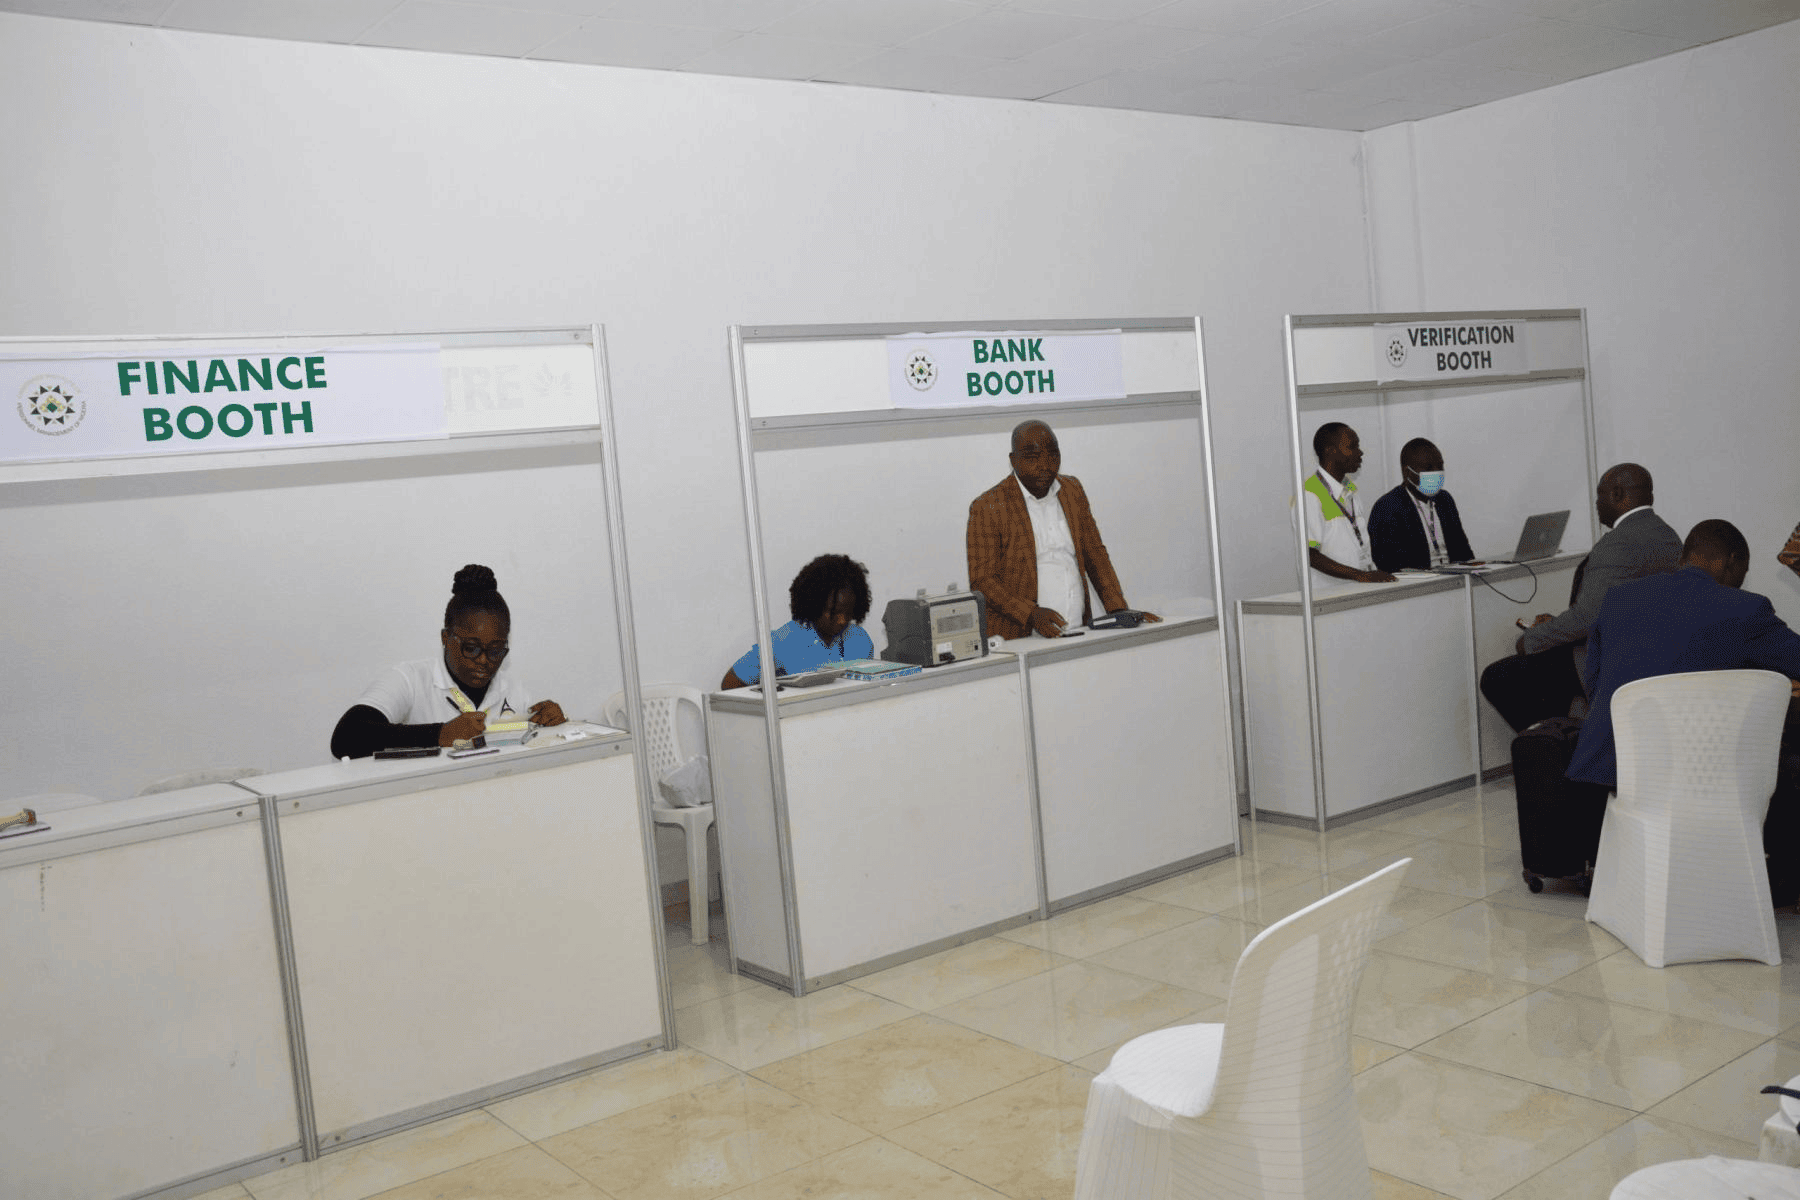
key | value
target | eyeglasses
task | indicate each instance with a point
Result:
(472, 650)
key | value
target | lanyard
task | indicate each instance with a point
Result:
(1428, 511)
(1344, 502)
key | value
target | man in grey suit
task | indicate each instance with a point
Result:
(1545, 675)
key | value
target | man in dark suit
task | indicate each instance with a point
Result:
(1544, 676)
(1032, 587)
(1416, 525)
(1696, 619)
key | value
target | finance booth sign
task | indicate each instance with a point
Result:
(954, 370)
(190, 401)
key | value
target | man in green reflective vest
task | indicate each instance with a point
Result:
(1337, 538)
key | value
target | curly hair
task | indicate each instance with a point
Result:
(820, 579)
(475, 591)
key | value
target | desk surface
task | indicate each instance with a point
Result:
(1186, 619)
(356, 780)
(1182, 620)
(142, 818)
(117, 822)
(841, 692)
(1338, 597)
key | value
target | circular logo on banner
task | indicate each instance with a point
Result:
(51, 405)
(1396, 351)
(921, 372)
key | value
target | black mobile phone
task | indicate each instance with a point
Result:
(409, 752)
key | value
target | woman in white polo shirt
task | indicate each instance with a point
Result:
(435, 701)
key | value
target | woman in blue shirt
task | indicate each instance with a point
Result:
(828, 600)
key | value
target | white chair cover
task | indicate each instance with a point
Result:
(1262, 1105)
(1711, 1178)
(1680, 875)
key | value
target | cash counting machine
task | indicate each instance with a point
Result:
(932, 630)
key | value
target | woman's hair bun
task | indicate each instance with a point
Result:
(474, 578)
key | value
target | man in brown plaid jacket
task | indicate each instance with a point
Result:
(1003, 550)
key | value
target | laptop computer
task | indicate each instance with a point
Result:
(1541, 537)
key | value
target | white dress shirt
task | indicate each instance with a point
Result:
(420, 693)
(1341, 539)
(1060, 586)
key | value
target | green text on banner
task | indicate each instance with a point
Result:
(186, 401)
(957, 370)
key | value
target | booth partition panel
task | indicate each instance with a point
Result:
(1382, 677)
(974, 788)
(222, 540)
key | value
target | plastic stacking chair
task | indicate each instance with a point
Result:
(1711, 1178)
(1680, 875)
(1263, 1104)
(658, 738)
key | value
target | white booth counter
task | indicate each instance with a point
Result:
(464, 928)
(944, 806)
(197, 985)
(907, 813)
(1399, 669)
(1133, 752)
(146, 1037)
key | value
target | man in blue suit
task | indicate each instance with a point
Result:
(1416, 525)
(1696, 619)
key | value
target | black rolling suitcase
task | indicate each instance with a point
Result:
(1559, 819)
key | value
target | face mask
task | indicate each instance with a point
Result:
(1430, 482)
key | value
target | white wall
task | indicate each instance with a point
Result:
(1662, 198)
(161, 624)
(171, 182)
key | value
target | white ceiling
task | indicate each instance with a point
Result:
(1340, 64)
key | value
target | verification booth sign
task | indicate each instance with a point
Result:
(187, 401)
(1450, 350)
(956, 370)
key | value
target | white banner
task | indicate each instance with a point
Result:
(1450, 350)
(496, 389)
(958, 370)
(186, 401)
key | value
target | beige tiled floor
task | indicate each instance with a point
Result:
(1505, 1048)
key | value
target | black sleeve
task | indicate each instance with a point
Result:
(1386, 537)
(363, 730)
(1455, 540)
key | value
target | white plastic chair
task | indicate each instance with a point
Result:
(1262, 1105)
(659, 740)
(1711, 1178)
(1680, 875)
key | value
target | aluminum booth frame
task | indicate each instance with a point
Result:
(872, 426)
(1339, 384)
(457, 446)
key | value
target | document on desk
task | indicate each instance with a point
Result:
(1463, 569)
